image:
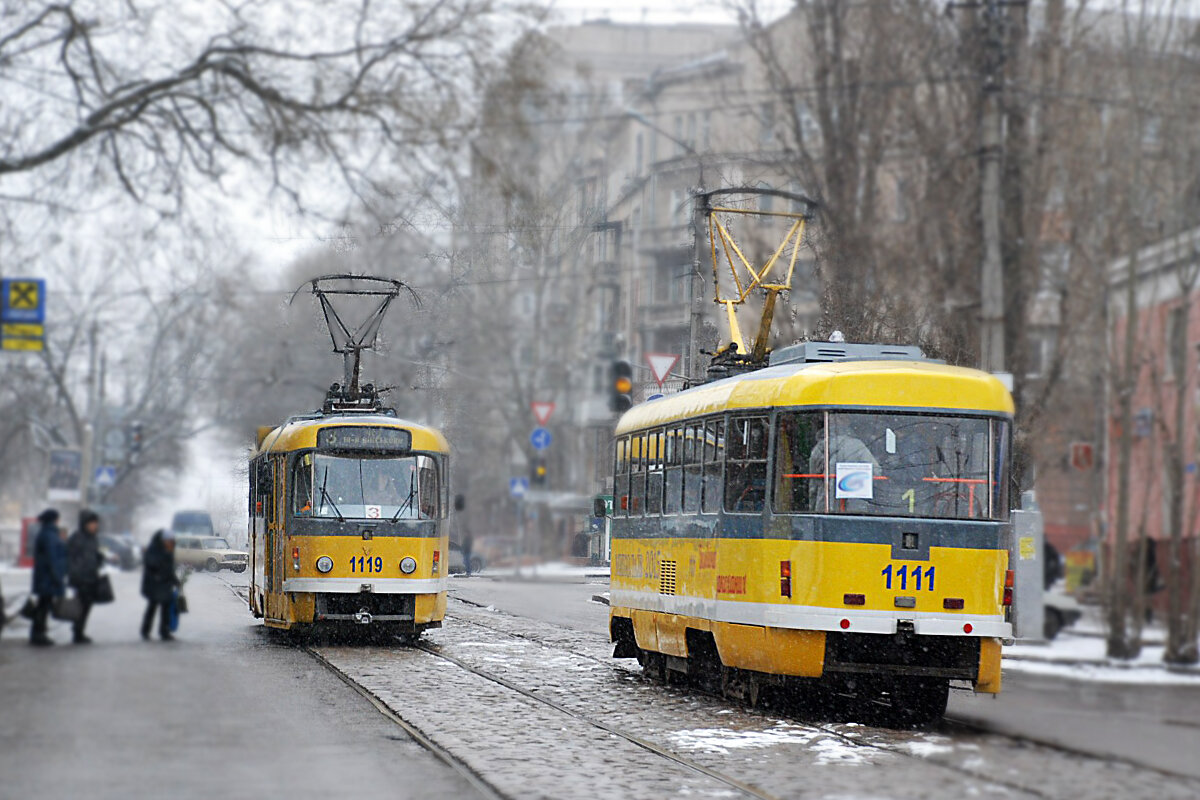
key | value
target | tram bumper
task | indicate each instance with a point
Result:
(364, 608)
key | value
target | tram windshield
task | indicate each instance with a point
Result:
(892, 465)
(366, 488)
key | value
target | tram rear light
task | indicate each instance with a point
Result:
(854, 599)
(437, 561)
(953, 603)
(845, 624)
(1008, 578)
(324, 564)
(785, 578)
(296, 559)
(968, 628)
(408, 565)
(1008, 594)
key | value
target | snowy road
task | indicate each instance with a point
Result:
(516, 705)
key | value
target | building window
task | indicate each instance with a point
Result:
(767, 134)
(1175, 343)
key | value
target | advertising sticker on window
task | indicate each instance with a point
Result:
(854, 479)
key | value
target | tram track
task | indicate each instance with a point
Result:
(365, 673)
(828, 730)
(951, 722)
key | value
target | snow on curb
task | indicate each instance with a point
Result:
(1085, 658)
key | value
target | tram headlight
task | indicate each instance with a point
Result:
(324, 564)
(408, 565)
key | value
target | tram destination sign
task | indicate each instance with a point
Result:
(365, 438)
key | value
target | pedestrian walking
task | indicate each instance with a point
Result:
(159, 582)
(49, 573)
(83, 569)
(468, 542)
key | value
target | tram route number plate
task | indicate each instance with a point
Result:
(905, 577)
(365, 437)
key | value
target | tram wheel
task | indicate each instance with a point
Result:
(917, 703)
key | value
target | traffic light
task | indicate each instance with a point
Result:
(621, 386)
(537, 471)
(135, 438)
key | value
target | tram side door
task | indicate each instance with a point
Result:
(273, 552)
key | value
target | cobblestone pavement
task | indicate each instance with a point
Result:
(563, 724)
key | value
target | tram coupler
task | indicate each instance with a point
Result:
(363, 617)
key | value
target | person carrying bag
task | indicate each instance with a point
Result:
(83, 570)
(159, 583)
(49, 575)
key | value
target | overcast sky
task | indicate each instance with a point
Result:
(657, 11)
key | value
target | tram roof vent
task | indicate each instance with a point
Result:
(825, 352)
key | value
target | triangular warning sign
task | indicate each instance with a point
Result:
(661, 365)
(542, 412)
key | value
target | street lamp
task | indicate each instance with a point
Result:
(695, 288)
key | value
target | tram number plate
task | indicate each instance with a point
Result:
(920, 578)
(366, 564)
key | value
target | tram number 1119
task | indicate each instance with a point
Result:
(903, 575)
(366, 564)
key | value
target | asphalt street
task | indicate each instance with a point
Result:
(229, 711)
(1149, 724)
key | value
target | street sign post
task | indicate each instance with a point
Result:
(661, 365)
(105, 477)
(540, 438)
(23, 314)
(542, 412)
(66, 475)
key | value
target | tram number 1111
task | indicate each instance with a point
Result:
(903, 575)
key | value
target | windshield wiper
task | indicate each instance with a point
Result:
(325, 496)
(412, 492)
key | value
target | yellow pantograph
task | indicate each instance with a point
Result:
(770, 277)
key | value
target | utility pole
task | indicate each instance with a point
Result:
(699, 218)
(991, 288)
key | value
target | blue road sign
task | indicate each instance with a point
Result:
(105, 477)
(23, 300)
(517, 487)
(540, 438)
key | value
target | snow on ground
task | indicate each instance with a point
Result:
(554, 570)
(829, 749)
(1082, 657)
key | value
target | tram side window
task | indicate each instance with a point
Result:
(746, 465)
(428, 488)
(693, 472)
(302, 500)
(621, 478)
(673, 497)
(637, 476)
(654, 473)
(714, 452)
(1000, 472)
(798, 483)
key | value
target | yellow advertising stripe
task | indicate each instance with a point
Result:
(822, 573)
(389, 549)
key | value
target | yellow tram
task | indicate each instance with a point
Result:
(840, 514)
(347, 523)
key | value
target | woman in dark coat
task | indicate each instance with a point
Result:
(49, 573)
(83, 568)
(158, 583)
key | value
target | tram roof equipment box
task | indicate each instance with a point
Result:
(826, 352)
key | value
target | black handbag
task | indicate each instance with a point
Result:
(29, 610)
(103, 593)
(68, 609)
(181, 604)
